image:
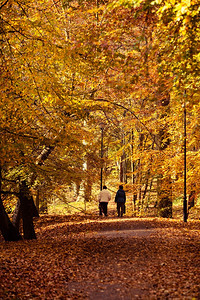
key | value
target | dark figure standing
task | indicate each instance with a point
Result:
(120, 199)
(103, 198)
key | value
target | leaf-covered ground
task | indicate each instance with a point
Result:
(108, 258)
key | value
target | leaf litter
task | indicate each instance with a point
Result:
(81, 257)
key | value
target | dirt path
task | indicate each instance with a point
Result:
(106, 259)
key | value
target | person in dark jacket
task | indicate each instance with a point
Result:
(120, 199)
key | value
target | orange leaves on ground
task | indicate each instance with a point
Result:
(91, 258)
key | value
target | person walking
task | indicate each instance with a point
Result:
(104, 197)
(120, 199)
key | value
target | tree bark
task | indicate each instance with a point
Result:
(134, 185)
(17, 215)
(27, 210)
(9, 232)
(37, 201)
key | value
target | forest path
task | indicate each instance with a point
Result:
(109, 258)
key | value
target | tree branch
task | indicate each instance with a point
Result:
(9, 193)
(44, 155)
(3, 4)
(131, 112)
(18, 134)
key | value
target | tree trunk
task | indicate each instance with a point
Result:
(26, 201)
(26, 208)
(133, 168)
(123, 162)
(135, 185)
(123, 177)
(165, 197)
(149, 194)
(17, 215)
(164, 190)
(145, 190)
(88, 181)
(37, 201)
(9, 232)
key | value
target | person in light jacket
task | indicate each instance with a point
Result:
(120, 199)
(104, 197)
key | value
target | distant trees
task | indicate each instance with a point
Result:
(153, 61)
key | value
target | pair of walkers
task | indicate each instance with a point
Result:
(105, 196)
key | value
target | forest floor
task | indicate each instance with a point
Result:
(88, 257)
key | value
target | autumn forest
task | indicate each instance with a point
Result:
(93, 93)
(90, 87)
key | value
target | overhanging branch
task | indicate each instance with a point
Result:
(6, 130)
(9, 193)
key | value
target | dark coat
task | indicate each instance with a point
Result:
(120, 196)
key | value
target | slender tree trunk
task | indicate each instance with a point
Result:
(88, 181)
(134, 186)
(139, 200)
(133, 168)
(149, 194)
(123, 163)
(164, 188)
(123, 169)
(37, 201)
(145, 190)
